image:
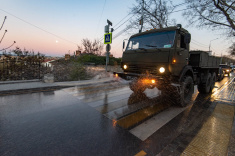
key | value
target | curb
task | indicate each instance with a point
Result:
(19, 81)
(29, 90)
(48, 88)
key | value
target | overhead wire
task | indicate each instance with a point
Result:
(101, 16)
(121, 20)
(199, 42)
(149, 7)
(119, 25)
(38, 27)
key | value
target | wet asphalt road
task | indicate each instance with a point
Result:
(106, 119)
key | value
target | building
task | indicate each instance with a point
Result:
(67, 56)
(78, 53)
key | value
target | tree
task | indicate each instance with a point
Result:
(232, 49)
(79, 48)
(18, 51)
(155, 13)
(213, 14)
(94, 47)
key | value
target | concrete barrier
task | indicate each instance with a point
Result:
(48, 78)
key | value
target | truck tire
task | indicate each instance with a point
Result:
(136, 86)
(182, 95)
(187, 89)
(205, 85)
(213, 80)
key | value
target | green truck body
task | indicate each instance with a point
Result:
(161, 58)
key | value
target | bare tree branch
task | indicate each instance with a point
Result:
(213, 14)
(156, 14)
(94, 47)
(232, 49)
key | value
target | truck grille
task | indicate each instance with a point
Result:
(143, 69)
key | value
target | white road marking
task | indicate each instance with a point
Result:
(146, 129)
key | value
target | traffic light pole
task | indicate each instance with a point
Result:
(108, 47)
(107, 56)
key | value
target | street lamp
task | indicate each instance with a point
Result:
(210, 44)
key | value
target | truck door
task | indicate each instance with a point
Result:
(181, 54)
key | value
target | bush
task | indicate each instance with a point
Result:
(98, 60)
(69, 71)
(78, 72)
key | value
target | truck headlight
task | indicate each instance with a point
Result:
(125, 66)
(227, 70)
(162, 70)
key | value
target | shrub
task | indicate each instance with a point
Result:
(78, 72)
(98, 60)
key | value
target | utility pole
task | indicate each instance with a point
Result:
(142, 17)
(221, 59)
(210, 44)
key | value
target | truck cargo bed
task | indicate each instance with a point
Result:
(203, 60)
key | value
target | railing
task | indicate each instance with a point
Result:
(20, 68)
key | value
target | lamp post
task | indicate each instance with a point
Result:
(210, 44)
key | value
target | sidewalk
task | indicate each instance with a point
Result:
(11, 86)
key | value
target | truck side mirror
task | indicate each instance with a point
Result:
(123, 45)
(187, 38)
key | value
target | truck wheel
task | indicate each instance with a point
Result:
(136, 86)
(205, 85)
(213, 80)
(185, 95)
(180, 95)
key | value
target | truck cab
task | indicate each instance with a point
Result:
(161, 53)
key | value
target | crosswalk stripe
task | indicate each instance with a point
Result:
(98, 90)
(78, 88)
(135, 118)
(146, 129)
(110, 94)
(107, 101)
(141, 153)
(111, 106)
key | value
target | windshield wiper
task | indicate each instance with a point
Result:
(142, 49)
(155, 47)
(150, 46)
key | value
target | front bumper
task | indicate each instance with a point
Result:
(227, 72)
(130, 76)
(159, 80)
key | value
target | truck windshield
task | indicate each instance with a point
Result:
(224, 66)
(152, 41)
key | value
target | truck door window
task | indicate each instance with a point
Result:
(180, 41)
(182, 44)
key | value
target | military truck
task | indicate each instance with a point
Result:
(161, 58)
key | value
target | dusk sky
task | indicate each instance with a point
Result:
(55, 27)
